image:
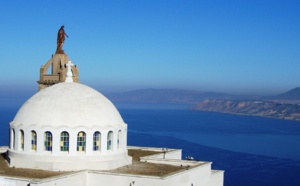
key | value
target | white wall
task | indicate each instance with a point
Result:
(69, 163)
(196, 176)
(217, 178)
(74, 179)
(11, 181)
(163, 152)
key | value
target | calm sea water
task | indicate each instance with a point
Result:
(252, 150)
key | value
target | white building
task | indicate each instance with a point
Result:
(68, 123)
(74, 130)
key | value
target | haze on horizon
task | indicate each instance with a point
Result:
(235, 47)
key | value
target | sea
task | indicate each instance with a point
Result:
(253, 151)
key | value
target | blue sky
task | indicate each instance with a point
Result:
(239, 47)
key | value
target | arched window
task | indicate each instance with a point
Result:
(21, 139)
(33, 140)
(81, 141)
(13, 139)
(110, 140)
(97, 141)
(48, 141)
(64, 141)
(119, 138)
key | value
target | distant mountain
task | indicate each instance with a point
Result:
(254, 108)
(166, 96)
(293, 94)
(286, 105)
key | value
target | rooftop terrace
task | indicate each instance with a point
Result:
(145, 161)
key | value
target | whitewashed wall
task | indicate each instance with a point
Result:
(12, 181)
(75, 179)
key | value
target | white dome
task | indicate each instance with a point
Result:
(68, 105)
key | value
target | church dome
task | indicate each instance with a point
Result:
(69, 105)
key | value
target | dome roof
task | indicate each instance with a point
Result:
(68, 105)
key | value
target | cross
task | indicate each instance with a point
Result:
(69, 78)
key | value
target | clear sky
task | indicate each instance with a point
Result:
(232, 46)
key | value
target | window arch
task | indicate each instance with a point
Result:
(119, 139)
(81, 141)
(21, 140)
(97, 141)
(110, 140)
(13, 135)
(64, 141)
(33, 140)
(48, 141)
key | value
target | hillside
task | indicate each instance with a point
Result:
(286, 105)
(166, 96)
(293, 94)
(194, 96)
(254, 108)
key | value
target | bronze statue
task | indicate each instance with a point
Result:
(60, 40)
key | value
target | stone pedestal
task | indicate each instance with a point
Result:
(58, 71)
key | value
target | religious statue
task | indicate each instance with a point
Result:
(60, 40)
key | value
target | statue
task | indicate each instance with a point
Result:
(60, 40)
